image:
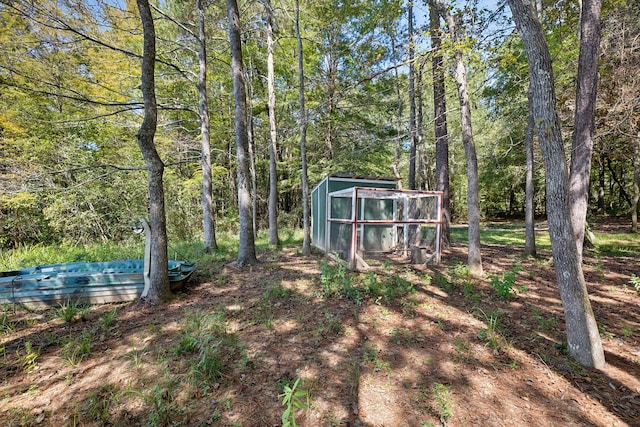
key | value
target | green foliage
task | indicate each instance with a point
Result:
(442, 402)
(635, 282)
(67, 311)
(30, 356)
(491, 334)
(6, 323)
(505, 285)
(100, 402)
(293, 399)
(337, 280)
(163, 411)
(75, 350)
(205, 340)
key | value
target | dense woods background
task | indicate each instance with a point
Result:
(71, 105)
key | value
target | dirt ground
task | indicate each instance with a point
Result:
(442, 350)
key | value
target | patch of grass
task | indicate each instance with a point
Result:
(617, 244)
(68, 311)
(75, 350)
(108, 318)
(545, 324)
(6, 323)
(276, 292)
(100, 402)
(492, 333)
(627, 330)
(501, 234)
(163, 410)
(442, 402)
(30, 356)
(205, 340)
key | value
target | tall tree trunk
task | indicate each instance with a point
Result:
(582, 146)
(399, 110)
(273, 133)
(207, 184)
(246, 249)
(636, 185)
(159, 289)
(440, 118)
(601, 180)
(582, 330)
(421, 173)
(306, 223)
(252, 156)
(412, 101)
(529, 208)
(473, 193)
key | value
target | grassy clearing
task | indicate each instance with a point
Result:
(26, 256)
(606, 244)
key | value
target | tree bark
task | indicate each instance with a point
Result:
(583, 338)
(398, 150)
(246, 249)
(159, 289)
(207, 184)
(473, 194)
(440, 118)
(582, 146)
(412, 101)
(273, 133)
(530, 208)
(306, 222)
(636, 185)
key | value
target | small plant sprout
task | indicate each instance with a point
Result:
(29, 360)
(442, 402)
(293, 399)
(635, 282)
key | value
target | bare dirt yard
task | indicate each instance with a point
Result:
(395, 346)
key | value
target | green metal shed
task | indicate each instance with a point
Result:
(335, 236)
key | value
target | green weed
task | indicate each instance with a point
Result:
(635, 282)
(163, 411)
(491, 334)
(75, 350)
(30, 357)
(293, 399)
(6, 324)
(68, 311)
(100, 402)
(627, 330)
(505, 285)
(443, 403)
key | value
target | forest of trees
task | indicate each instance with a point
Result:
(72, 103)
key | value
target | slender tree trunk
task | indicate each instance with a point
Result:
(473, 193)
(246, 249)
(159, 290)
(636, 185)
(582, 330)
(601, 181)
(421, 175)
(529, 193)
(412, 101)
(440, 118)
(396, 163)
(582, 147)
(252, 157)
(273, 133)
(306, 222)
(207, 184)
